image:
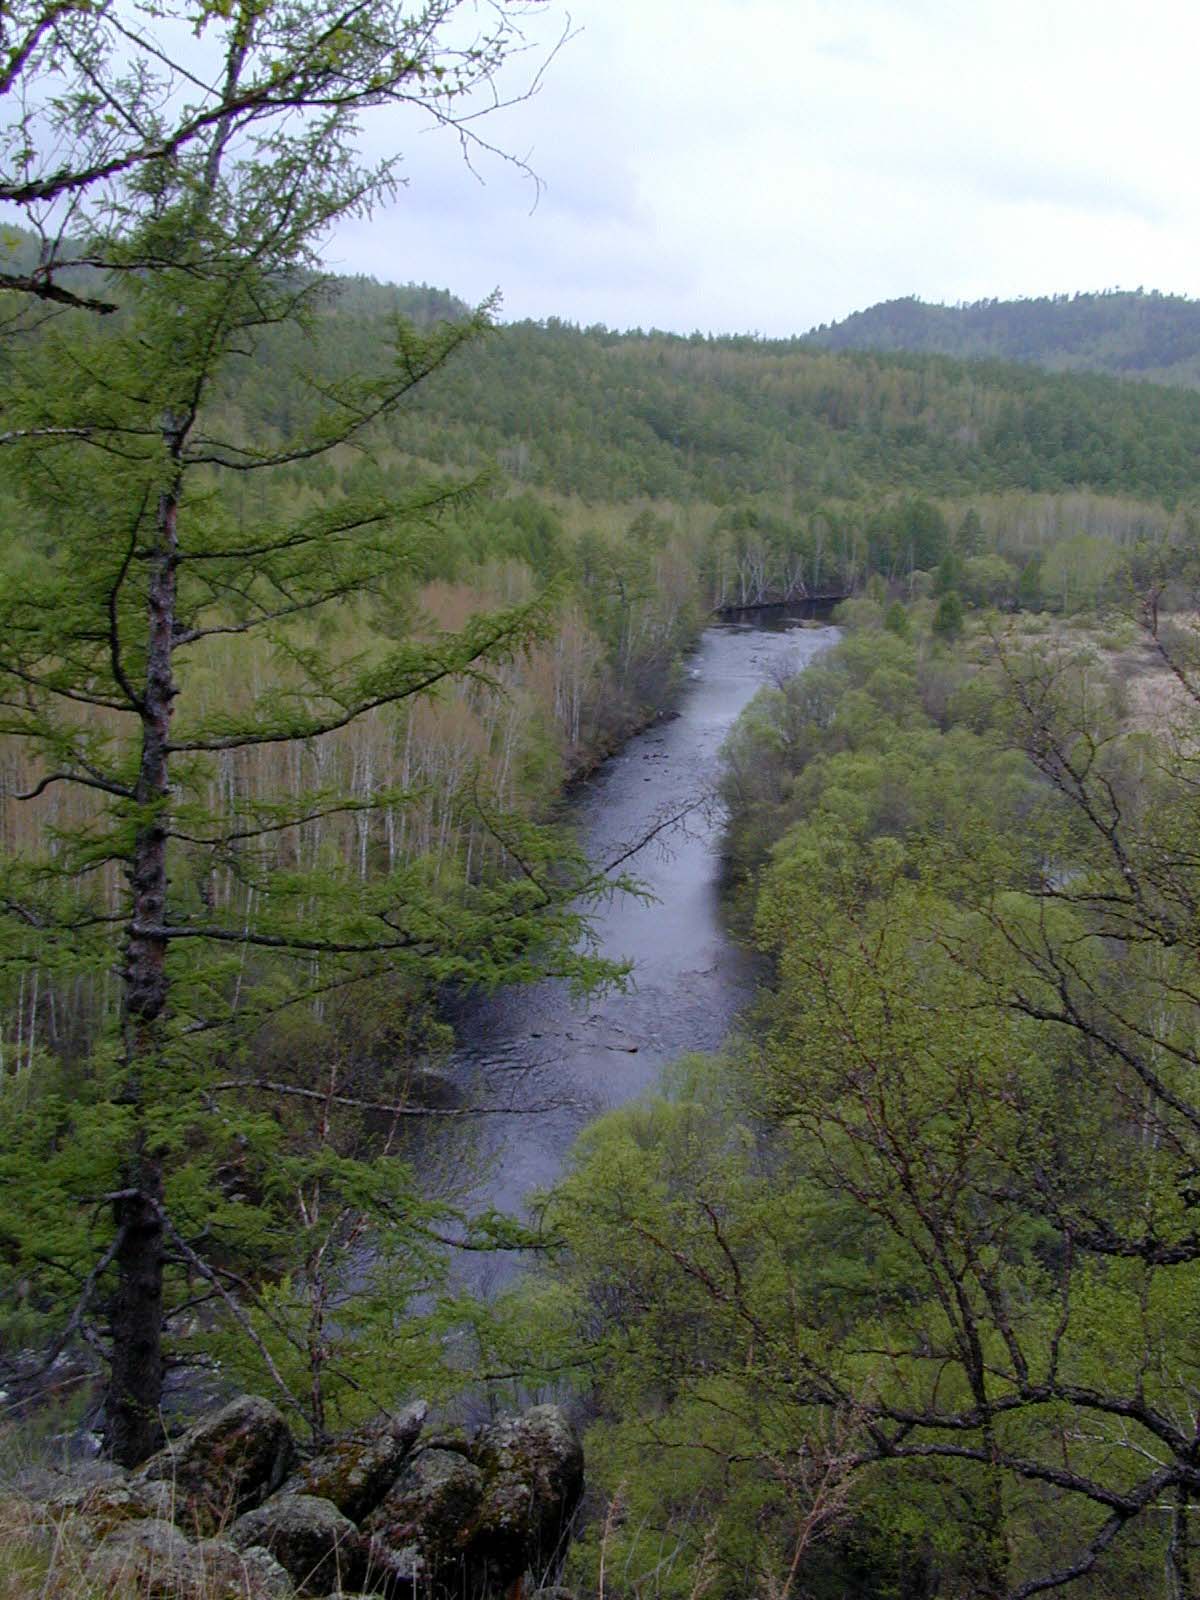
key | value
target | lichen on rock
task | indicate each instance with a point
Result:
(356, 1472)
(310, 1538)
(225, 1464)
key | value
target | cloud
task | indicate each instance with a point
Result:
(769, 164)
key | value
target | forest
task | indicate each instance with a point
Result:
(318, 596)
(1133, 333)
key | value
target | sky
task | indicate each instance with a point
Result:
(760, 166)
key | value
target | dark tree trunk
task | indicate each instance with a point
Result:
(133, 1424)
(132, 1427)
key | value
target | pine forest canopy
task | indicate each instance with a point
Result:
(612, 416)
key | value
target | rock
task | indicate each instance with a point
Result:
(533, 1477)
(356, 1472)
(417, 1532)
(454, 1526)
(309, 1537)
(228, 1462)
(227, 1573)
(152, 1560)
(108, 1502)
(44, 1483)
(149, 1558)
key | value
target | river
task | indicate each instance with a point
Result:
(536, 1047)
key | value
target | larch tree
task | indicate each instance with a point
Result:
(197, 153)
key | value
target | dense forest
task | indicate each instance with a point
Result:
(898, 1291)
(1129, 332)
(316, 595)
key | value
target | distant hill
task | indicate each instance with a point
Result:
(1130, 333)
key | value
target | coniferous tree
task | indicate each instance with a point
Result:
(128, 562)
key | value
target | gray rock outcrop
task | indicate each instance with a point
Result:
(106, 1504)
(356, 1472)
(227, 1463)
(533, 1473)
(418, 1532)
(458, 1518)
(147, 1556)
(313, 1542)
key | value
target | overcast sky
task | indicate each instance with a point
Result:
(765, 165)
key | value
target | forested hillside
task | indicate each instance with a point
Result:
(606, 416)
(784, 469)
(1129, 332)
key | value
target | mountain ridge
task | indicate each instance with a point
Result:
(1134, 333)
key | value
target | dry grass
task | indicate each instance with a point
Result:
(1153, 698)
(41, 1559)
(46, 1554)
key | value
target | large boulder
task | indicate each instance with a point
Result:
(152, 1560)
(471, 1523)
(418, 1531)
(226, 1573)
(228, 1462)
(357, 1471)
(313, 1542)
(106, 1503)
(533, 1477)
(147, 1557)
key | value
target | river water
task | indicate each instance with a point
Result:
(536, 1047)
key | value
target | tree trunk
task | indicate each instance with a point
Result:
(132, 1426)
(133, 1423)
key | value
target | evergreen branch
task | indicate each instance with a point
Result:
(97, 434)
(408, 688)
(269, 941)
(239, 1315)
(75, 1320)
(48, 686)
(343, 807)
(114, 629)
(105, 785)
(297, 608)
(44, 288)
(21, 54)
(253, 1015)
(431, 501)
(343, 433)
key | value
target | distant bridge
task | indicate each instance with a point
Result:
(815, 604)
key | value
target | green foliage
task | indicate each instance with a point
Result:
(900, 1292)
(162, 507)
(1125, 332)
(948, 618)
(1029, 585)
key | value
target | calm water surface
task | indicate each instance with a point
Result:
(537, 1047)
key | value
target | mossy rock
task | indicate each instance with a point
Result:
(229, 1462)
